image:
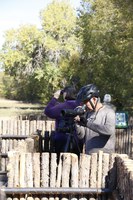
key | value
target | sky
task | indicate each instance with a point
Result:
(14, 13)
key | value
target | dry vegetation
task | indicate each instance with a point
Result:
(11, 108)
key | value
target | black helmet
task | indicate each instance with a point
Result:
(87, 92)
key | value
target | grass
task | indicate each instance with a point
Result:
(11, 108)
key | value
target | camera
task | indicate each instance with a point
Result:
(73, 113)
(67, 123)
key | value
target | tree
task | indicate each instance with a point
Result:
(58, 27)
(22, 55)
(59, 23)
(106, 31)
(37, 59)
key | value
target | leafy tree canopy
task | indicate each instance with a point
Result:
(40, 57)
(107, 36)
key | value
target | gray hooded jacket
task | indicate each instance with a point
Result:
(99, 133)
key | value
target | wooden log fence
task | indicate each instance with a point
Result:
(25, 127)
(15, 133)
(124, 178)
(97, 168)
(124, 137)
(36, 176)
(124, 141)
(40, 172)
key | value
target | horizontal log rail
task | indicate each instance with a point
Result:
(18, 136)
(3, 155)
(55, 190)
(3, 172)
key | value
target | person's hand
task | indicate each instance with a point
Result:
(77, 118)
(57, 94)
(81, 120)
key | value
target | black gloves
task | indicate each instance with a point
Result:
(83, 121)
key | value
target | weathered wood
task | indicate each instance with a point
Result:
(7, 146)
(36, 198)
(105, 170)
(20, 146)
(14, 127)
(16, 177)
(32, 127)
(22, 197)
(30, 145)
(53, 168)
(124, 137)
(124, 169)
(10, 168)
(3, 164)
(15, 144)
(3, 160)
(22, 170)
(74, 171)
(19, 127)
(15, 198)
(29, 198)
(66, 167)
(36, 169)
(93, 171)
(27, 127)
(99, 169)
(112, 171)
(84, 170)
(2, 194)
(44, 198)
(45, 170)
(74, 181)
(29, 170)
(24, 127)
(9, 198)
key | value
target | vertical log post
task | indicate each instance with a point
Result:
(74, 174)
(36, 169)
(84, 173)
(99, 169)
(45, 172)
(93, 172)
(105, 166)
(66, 167)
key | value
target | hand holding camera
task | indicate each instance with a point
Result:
(81, 119)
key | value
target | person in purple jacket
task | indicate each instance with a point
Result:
(54, 109)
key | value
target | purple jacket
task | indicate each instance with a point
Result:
(53, 110)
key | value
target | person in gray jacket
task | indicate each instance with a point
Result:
(107, 101)
(97, 126)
